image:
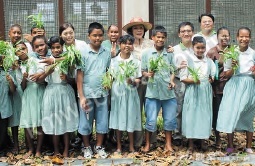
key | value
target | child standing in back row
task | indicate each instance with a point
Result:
(92, 96)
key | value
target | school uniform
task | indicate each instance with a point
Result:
(94, 66)
(197, 105)
(31, 114)
(125, 106)
(237, 108)
(158, 95)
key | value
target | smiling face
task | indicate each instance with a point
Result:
(243, 38)
(159, 40)
(138, 31)
(126, 47)
(21, 51)
(113, 33)
(206, 24)
(40, 47)
(223, 38)
(186, 33)
(56, 49)
(199, 50)
(96, 37)
(15, 34)
(68, 36)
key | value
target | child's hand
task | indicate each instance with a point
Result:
(171, 85)
(84, 105)
(211, 79)
(198, 82)
(182, 65)
(113, 49)
(129, 81)
(63, 77)
(150, 74)
(170, 48)
(234, 63)
(252, 69)
(25, 75)
(49, 61)
(34, 77)
(28, 37)
(9, 78)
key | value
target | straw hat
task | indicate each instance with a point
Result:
(137, 21)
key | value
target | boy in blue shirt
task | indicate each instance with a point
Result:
(160, 91)
(92, 96)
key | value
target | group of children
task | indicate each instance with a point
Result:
(39, 95)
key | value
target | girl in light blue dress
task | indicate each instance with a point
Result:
(197, 106)
(59, 107)
(236, 112)
(31, 114)
(125, 107)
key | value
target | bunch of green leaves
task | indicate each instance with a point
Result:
(36, 20)
(157, 65)
(233, 54)
(72, 57)
(194, 73)
(7, 50)
(127, 70)
(107, 80)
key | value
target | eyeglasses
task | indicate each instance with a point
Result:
(188, 31)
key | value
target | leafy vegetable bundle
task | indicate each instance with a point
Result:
(194, 73)
(231, 53)
(157, 65)
(126, 70)
(71, 56)
(36, 20)
(7, 50)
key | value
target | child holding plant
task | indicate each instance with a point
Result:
(31, 113)
(59, 107)
(236, 112)
(197, 106)
(125, 107)
(160, 88)
(15, 33)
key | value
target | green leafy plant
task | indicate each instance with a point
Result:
(7, 50)
(128, 69)
(36, 20)
(107, 80)
(72, 57)
(194, 73)
(158, 64)
(28, 64)
(233, 54)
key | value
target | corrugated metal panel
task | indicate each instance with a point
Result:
(170, 13)
(17, 11)
(234, 14)
(82, 12)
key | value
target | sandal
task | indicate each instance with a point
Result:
(249, 150)
(118, 151)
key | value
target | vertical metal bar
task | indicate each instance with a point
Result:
(208, 6)
(119, 16)
(2, 21)
(61, 19)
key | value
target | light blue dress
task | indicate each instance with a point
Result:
(59, 107)
(5, 98)
(31, 114)
(125, 106)
(197, 106)
(237, 107)
(16, 99)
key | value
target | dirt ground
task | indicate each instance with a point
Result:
(156, 156)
